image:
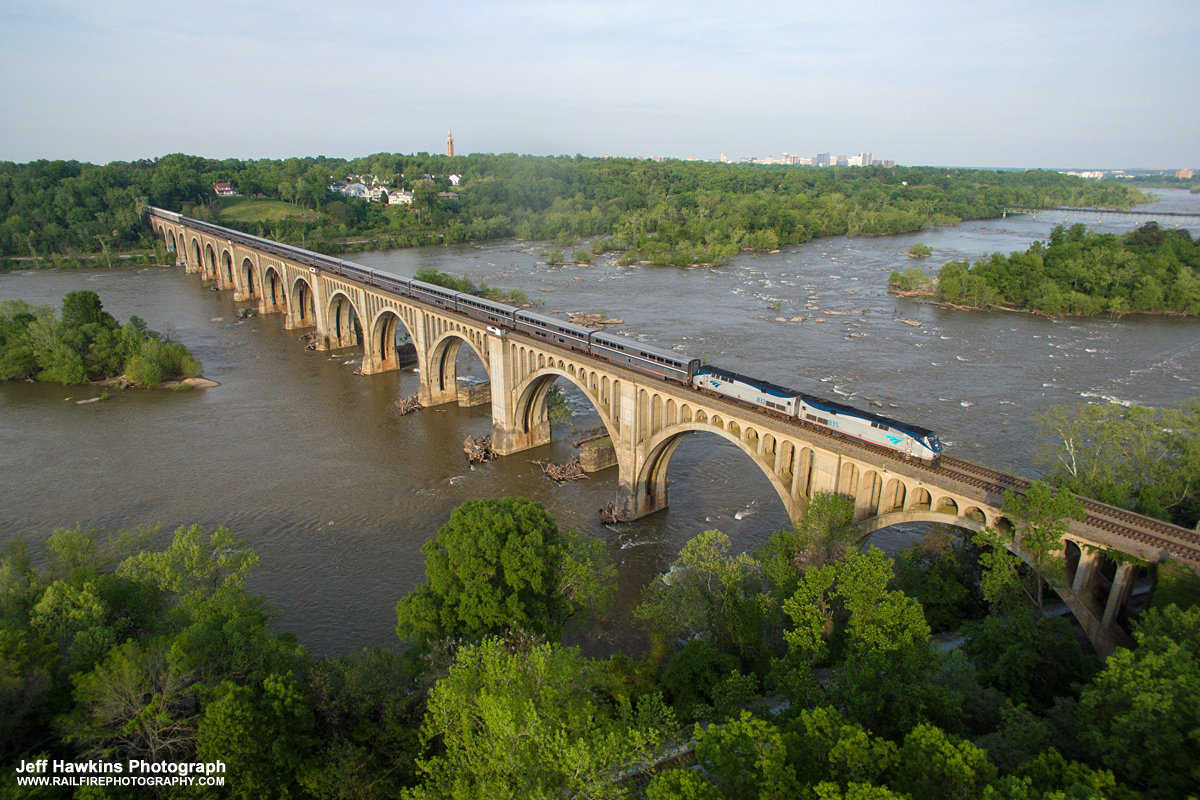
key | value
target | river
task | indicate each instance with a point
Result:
(310, 465)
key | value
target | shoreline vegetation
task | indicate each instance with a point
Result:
(1150, 270)
(670, 213)
(807, 668)
(88, 345)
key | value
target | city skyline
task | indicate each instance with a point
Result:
(1072, 85)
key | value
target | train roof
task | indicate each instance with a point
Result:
(631, 343)
(766, 386)
(916, 431)
(555, 322)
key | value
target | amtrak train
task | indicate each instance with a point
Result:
(910, 440)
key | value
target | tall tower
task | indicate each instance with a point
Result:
(449, 143)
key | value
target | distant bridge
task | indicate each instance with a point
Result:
(1100, 214)
(647, 418)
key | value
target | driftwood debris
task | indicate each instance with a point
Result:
(310, 340)
(588, 439)
(407, 405)
(608, 514)
(560, 473)
(478, 449)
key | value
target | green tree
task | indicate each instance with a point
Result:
(500, 564)
(939, 572)
(84, 308)
(532, 722)
(845, 613)
(263, 734)
(748, 758)
(1141, 714)
(367, 718)
(1030, 658)
(825, 747)
(1138, 458)
(220, 632)
(136, 704)
(1040, 517)
(681, 784)
(708, 593)
(932, 766)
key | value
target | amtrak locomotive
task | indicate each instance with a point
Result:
(910, 440)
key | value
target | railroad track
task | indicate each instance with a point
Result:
(1179, 542)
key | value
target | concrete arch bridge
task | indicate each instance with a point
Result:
(648, 418)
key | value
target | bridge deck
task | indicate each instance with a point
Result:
(1104, 523)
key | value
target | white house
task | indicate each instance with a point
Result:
(454, 179)
(400, 196)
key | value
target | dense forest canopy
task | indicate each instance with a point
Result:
(668, 212)
(113, 649)
(86, 344)
(1148, 270)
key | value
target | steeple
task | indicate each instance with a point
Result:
(449, 142)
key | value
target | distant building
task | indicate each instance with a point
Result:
(454, 179)
(401, 196)
(888, 163)
(854, 161)
(357, 190)
(376, 194)
(822, 159)
(337, 186)
(224, 190)
(449, 143)
(447, 195)
(1184, 174)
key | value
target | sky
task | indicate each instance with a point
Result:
(1048, 83)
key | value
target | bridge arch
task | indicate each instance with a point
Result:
(227, 269)
(442, 359)
(197, 264)
(530, 411)
(249, 284)
(210, 262)
(274, 290)
(650, 483)
(302, 304)
(344, 321)
(382, 341)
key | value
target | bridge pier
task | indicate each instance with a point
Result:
(1096, 611)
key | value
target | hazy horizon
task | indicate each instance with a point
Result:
(1030, 85)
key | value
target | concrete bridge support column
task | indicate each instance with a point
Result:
(825, 473)
(638, 497)
(1085, 573)
(320, 306)
(439, 380)
(301, 305)
(1118, 596)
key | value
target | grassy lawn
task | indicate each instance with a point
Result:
(246, 209)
